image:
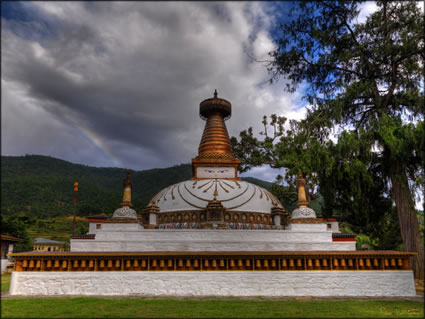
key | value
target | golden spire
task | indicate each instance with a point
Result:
(215, 148)
(302, 198)
(215, 139)
(127, 185)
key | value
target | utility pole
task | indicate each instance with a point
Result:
(75, 206)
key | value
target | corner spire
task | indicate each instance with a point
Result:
(303, 211)
(125, 211)
(127, 185)
(302, 198)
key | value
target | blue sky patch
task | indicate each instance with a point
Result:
(26, 21)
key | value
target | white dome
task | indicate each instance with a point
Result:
(233, 195)
(125, 212)
(303, 212)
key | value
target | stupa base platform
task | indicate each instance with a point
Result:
(331, 273)
(123, 237)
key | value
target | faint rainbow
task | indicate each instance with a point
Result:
(96, 141)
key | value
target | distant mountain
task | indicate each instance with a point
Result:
(42, 186)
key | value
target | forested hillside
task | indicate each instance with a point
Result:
(42, 186)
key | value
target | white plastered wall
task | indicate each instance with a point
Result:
(286, 283)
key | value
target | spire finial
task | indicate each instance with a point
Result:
(215, 93)
(302, 199)
(128, 181)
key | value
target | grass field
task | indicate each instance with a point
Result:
(85, 307)
(5, 282)
(56, 228)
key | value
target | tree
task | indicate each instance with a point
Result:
(365, 82)
(16, 226)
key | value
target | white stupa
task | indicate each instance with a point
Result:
(213, 235)
(213, 211)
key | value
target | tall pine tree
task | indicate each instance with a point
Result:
(365, 80)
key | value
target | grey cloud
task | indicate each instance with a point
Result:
(133, 74)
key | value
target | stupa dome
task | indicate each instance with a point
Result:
(215, 197)
(232, 194)
(215, 203)
(126, 211)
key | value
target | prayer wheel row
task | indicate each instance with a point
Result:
(168, 263)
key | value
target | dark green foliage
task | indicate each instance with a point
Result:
(17, 226)
(43, 186)
(361, 143)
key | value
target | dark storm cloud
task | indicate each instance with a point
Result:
(121, 83)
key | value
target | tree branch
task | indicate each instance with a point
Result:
(329, 66)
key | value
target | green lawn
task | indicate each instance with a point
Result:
(88, 307)
(5, 282)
